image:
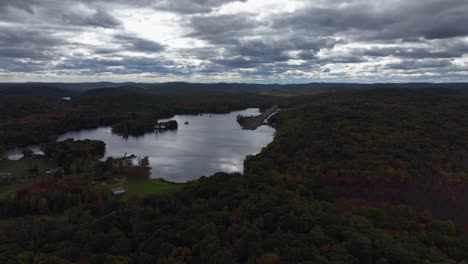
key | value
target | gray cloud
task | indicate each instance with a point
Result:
(420, 64)
(119, 65)
(382, 20)
(21, 42)
(99, 18)
(223, 29)
(331, 39)
(409, 52)
(132, 43)
(247, 42)
(191, 6)
(22, 5)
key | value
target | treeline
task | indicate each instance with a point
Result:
(52, 197)
(69, 149)
(225, 219)
(75, 156)
(27, 119)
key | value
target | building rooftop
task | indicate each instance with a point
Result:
(118, 191)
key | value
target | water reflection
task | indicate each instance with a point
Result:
(208, 144)
(17, 153)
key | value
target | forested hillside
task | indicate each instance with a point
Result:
(329, 189)
(399, 145)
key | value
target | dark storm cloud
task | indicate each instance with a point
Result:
(382, 20)
(328, 20)
(247, 42)
(22, 52)
(129, 43)
(21, 36)
(420, 64)
(21, 42)
(120, 65)
(307, 55)
(20, 66)
(98, 18)
(275, 46)
(22, 5)
(191, 6)
(58, 14)
(255, 52)
(408, 52)
(179, 6)
(132, 43)
(223, 29)
(343, 59)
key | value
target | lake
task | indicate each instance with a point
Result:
(17, 153)
(209, 143)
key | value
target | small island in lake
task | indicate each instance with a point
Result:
(166, 125)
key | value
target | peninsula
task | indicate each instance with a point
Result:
(252, 122)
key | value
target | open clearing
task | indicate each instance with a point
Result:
(252, 122)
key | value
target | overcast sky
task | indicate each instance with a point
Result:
(265, 41)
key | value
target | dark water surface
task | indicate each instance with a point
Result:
(208, 144)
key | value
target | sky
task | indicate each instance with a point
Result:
(258, 41)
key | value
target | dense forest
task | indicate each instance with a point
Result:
(355, 176)
(35, 115)
(390, 145)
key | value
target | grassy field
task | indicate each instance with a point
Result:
(149, 187)
(142, 188)
(252, 122)
(19, 170)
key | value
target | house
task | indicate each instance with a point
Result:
(65, 99)
(118, 191)
(53, 172)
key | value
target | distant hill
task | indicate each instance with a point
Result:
(25, 92)
(266, 89)
(67, 86)
(238, 87)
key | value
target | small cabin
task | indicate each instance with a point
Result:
(118, 191)
(53, 172)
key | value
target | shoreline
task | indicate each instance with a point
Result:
(252, 122)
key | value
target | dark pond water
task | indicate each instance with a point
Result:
(208, 144)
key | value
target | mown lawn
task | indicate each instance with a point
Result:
(143, 188)
(19, 170)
